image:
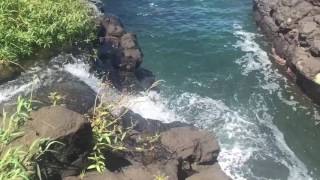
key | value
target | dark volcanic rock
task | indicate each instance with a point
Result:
(122, 46)
(120, 56)
(192, 145)
(76, 95)
(67, 127)
(187, 153)
(293, 27)
(8, 72)
(140, 124)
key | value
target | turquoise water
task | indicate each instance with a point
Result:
(218, 76)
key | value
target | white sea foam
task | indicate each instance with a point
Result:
(22, 85)
(256, 60)
(149, 105)
(152, 106)
(269, 144)
(81, 71)
(6, 93)
(235, 132)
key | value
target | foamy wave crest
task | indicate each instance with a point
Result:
(256, 60)
(81, 71)
(235, 132)
(245, 136)
(8, 92)
(151, 105)
(20, 86)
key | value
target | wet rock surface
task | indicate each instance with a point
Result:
(70, 129)
(8, 72)
(293, 28)
(120, 55)
(192, 145)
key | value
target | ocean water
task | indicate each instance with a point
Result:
(218, 75)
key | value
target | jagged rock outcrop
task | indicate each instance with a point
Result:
(293, 28)
(120, 55)
(187, 153)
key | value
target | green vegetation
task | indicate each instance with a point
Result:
(18, 162)
(161, 177)
(27, 25)
(55, 98)
(10, 126)
(108, 135)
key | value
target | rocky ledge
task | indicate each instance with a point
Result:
(182, 151)
(293, 28)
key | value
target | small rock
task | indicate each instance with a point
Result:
(113, 26)
(129, 41)
(317, 19)
(315, 48)
(132, 58)
(307, 27)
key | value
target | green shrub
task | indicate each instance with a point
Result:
(27, 25)
(21, 162)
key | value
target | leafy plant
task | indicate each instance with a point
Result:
(19, 163)
(161, 177)
(24, 107)
(108, 135)
(55, 98)
(27, 25)
(10, 125)
(9, 130)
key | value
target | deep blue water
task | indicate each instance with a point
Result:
(218, 76)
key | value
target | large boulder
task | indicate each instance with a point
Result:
(75, 94)
(192, 145)
(64, 126)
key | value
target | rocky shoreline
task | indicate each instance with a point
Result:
(180, 152)
(293, 29)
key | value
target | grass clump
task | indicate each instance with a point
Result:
(108, 135)
(16, 162)
(10, 125)
(27, 25)
(19, 163)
